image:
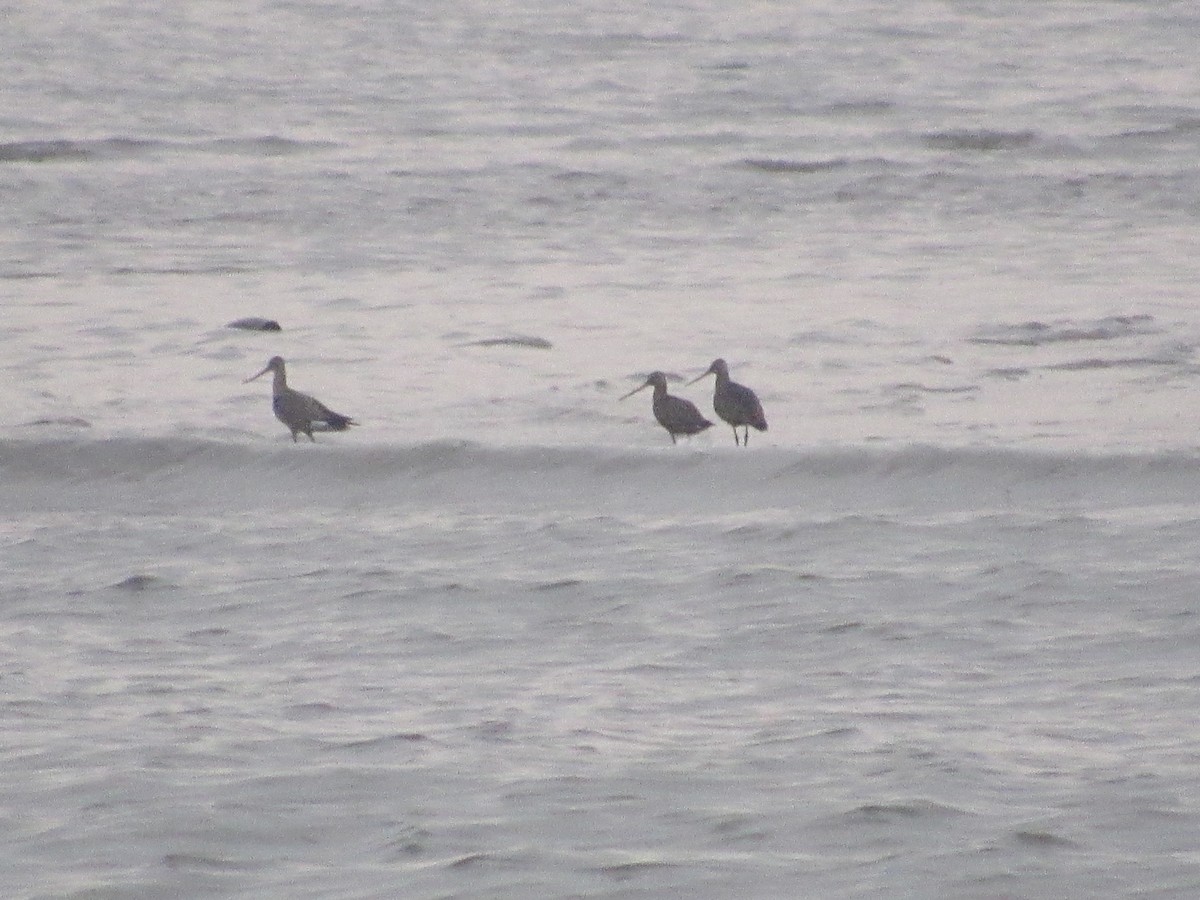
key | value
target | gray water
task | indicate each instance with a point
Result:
(933, 634)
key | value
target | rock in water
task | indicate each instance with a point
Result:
(255, 323)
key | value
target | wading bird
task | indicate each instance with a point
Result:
(735, 403)
(675, 414)
(299, 412)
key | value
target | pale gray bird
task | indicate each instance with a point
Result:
(675, 414)
(735, 403)
(299, 412)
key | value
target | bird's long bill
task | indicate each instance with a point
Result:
(635, 390)
(259, 375)
(707, 371)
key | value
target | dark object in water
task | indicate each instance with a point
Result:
(520, 340)
(255, 323)
(68, 421)
(138, 583)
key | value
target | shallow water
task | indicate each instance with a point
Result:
(930, 635)
(577, 672)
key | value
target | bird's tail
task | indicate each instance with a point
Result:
(338, 422)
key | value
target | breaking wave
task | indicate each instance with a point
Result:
(166, 474)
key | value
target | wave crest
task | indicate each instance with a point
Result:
(1038, 334)
(175, 474)
(67, 150)
(981, 140)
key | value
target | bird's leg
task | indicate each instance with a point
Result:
(672, 434)
(746, 436)
(736, 441)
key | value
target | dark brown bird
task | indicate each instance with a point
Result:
(675, 414)
(299, 412)
(735, 403)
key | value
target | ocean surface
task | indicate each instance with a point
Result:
(934, 634)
